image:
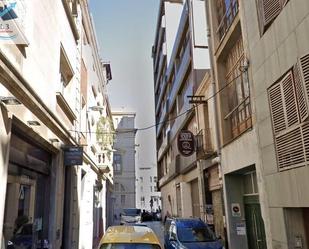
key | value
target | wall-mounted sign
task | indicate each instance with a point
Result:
(241, 229)
(185, 142)
(73, 156)
(236, 210)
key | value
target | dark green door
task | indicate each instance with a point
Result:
(254, 223)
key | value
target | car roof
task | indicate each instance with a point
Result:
(189, 222)
(130, 234)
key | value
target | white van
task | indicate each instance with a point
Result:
(130, 215)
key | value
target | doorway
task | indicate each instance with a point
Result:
(195, 198)
(254, 223)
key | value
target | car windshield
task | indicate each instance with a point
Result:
(129, 246)
(195, 234)
(131, 212)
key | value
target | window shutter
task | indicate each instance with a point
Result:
(277, 108)
(290, 150)
(301, 94)
(290, 100)
(269, 10)
(304, 65)
(286, 122)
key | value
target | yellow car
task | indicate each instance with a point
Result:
(129, 237)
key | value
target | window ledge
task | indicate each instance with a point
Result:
(65, 107)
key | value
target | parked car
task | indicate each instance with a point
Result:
(130, 215)
(129, 237)
(189, 234)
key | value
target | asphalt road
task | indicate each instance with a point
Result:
(158, 228)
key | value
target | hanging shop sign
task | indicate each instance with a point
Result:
(73, 156)
(185, 142)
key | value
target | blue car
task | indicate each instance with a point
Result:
(189, 234)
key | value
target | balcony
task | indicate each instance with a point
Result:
(239, 118)
(159, 70)
(163, 146)
(227, 19)
(104, 168)
(204, 146)
(161, 94)
(162, 117)
(185, 62)
(180, 120)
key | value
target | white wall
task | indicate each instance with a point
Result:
(172, 17)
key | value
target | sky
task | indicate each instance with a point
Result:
(125, 32)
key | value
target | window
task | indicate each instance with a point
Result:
(268, 11)
(143, 198)
(116, 186)
(123, 200)
(238, 115)
(141, 179)
(150, 179)
(155, 179)
(66, 70)
(117, 163)
(173, 115)
(250, 183)
(155, 189)
(289, 114)
(70, 7)
(226, 13)
(150, 188)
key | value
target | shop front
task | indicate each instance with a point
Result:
(27, 201)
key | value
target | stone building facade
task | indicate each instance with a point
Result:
(49, 89)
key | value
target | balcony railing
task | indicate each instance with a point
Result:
(228, 18)
(240, 117)
(204, 146)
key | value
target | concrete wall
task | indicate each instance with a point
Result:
(271, 55)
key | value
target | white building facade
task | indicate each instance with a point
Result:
(48, 87)
(178, 74)
(124, 194)
(147, 195)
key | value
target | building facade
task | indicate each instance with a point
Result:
(147, 195)
(260, 66)
(47, 108)
(239, 151)
(185, 73)
(124, 194)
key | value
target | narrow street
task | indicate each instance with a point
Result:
(158, 228)
(195, 112)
